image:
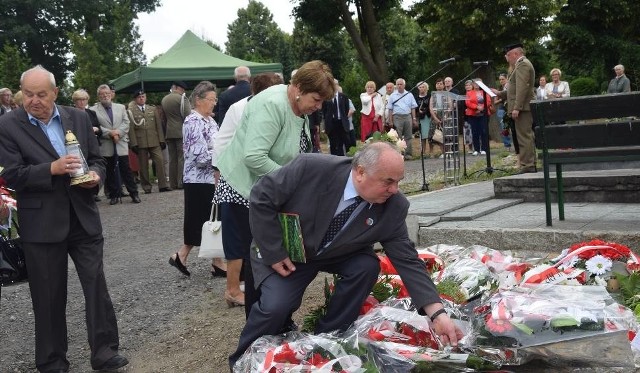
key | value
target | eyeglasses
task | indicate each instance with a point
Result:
(210, 99)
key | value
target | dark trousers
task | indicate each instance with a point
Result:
(176, 162)
(478, 128)
(155, 153)
(112, 189)
(283, 295)
(337, 138)
(47, 266)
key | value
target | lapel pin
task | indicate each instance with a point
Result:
(369, 221)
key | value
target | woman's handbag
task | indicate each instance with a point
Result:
(13, 268)
(211, 244)
(438, 136)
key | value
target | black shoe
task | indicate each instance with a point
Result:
(114, 200)
(167, 189)
(115, 363)
(217, 271)
(135, 198)
(97, 199)
(147, 191)
(178, 264)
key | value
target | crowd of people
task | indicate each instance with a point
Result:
(248, 149)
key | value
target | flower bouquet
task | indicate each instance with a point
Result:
(393, 324)
(473, 277)
(559, 324)
(299, 352)
(391, 137)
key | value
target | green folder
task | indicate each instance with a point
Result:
(292, 237)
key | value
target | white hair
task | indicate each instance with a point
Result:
(52, 79)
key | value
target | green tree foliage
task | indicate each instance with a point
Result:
(584, 86)
(478, 32)
(330, 47)
(12, 64)
(108, 46)
(590, 37)
(254, 36)
(44, 31)
(326, 16)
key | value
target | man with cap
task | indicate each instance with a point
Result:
(519, 92)
(147, 139)
(176, 107)
(240, 90)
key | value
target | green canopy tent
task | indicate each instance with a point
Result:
(191, 60)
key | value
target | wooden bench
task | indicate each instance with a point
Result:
(601, 139)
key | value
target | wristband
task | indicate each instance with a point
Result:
(437, 313)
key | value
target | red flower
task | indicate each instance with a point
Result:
(368, 304)
(615, 252)
(286, 355)
(497, 326)
(318, 360)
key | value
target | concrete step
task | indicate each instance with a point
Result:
(528, 243)
(477, 210)
(602, 186)
(443, 201)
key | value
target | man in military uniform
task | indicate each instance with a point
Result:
(146, 139)
(176, 107)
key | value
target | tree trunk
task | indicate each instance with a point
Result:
(373, 57)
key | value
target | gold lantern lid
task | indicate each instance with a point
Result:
(70, 138)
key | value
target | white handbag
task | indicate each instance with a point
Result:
(211, 244)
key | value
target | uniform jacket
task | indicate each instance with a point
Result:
(145, 128)
(120, 123)
(520, 90)
(45, 201)
(171, 105)
(286, 190)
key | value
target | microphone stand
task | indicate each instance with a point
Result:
(425, 184)
(464, 146)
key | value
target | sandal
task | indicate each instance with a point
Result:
(178, 264)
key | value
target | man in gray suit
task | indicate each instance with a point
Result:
(58, 220)
(367, 188)
(114, 123)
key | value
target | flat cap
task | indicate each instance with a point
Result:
(509, 47)
(180, 83)
(138, 92)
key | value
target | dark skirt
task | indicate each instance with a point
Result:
(197, 210)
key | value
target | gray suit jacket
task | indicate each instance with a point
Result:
(311, 186)
(120, 123)
(45, 201)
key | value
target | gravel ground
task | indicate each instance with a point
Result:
(167, 323)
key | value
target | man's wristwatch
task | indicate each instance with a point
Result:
(437, 313)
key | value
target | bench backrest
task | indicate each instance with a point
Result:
(591, 135)
(617, 105)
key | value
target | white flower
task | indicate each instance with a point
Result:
(393, 135)
(401, 145)
(569, 264)
(598, 265)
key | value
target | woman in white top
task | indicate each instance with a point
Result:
(557, 88)
(372, 110)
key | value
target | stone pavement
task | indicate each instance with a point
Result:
(470, 214)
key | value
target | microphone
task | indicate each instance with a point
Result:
(452, 59)
(482, 63)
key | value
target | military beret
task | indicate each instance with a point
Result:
(138, 92)
(180, 83)
(509, 47)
